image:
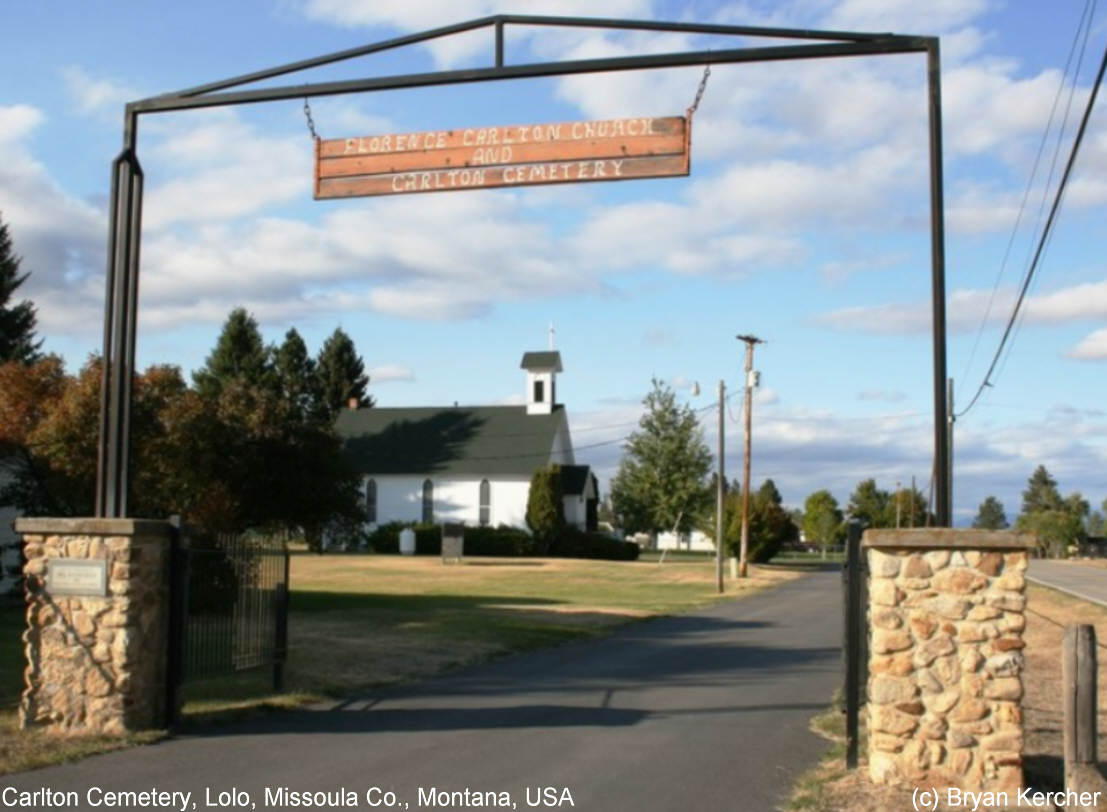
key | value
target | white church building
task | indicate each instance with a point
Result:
(470, 464)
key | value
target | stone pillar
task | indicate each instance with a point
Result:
(97, 614)
(946, 613)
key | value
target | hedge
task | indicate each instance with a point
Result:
(504, 541)
(574, 543)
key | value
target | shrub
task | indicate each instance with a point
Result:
(504, 541)
(479, 541)
(545, 506)
(573, 543)
(498, 541)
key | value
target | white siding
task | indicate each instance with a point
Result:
(697, 541)
(575, 511)
(456, 499)
(561, 451)
(545, 406)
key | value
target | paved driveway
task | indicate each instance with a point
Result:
(1082, 580)
(706, 711)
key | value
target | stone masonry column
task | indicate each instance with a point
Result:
(97, 622)
(946, 613)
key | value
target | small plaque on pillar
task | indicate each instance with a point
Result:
(68, 577)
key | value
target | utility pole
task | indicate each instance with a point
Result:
(911, 521)
(743, 562)
(899, 493)
(720, 495)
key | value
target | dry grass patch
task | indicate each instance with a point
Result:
(27, 750)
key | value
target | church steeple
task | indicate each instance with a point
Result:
(542, 369)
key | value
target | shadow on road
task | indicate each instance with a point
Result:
(413, 720)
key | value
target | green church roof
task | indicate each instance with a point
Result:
(465, 440)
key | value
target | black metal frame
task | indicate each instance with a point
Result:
(120, 311)
(855, 645)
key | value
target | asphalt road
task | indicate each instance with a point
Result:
(1082, 580)
(706, 711)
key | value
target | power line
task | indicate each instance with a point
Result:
(1089, 4)
(1045, 233)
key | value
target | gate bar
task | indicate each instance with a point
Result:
(854, 634)
(890, 45)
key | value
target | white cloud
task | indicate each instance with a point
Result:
(682, 382)
(966, 308)
(17, 121)
(390, 372)
(221, 168)
(882, 395)
(96, 94)
(61, 239)
(904, 16)
(766, 396)
(430, 14)
(1092, 348)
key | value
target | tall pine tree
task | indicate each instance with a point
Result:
(17, 322)
(239, 354)
(990, 515)
(1041, 492)
(341, 374)
(297, 379)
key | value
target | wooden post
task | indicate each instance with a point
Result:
(1078, 675)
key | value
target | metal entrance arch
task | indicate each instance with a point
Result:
(121, 300)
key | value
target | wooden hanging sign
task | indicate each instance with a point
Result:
(515, 155)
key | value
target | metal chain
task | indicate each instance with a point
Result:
(310, 120)
(699, 91)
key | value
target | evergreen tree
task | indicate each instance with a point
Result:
(1058, 523)
(991, 515)
(769, 493)
(17, 323)
(1041, 492)
(546, 506)
(297, 379)
(341, 374)
(660, 484)
(239, 355)
(870, 504)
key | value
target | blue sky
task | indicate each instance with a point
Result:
(804, 221)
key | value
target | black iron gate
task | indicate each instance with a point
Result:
(855, 600)
(228, 607)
